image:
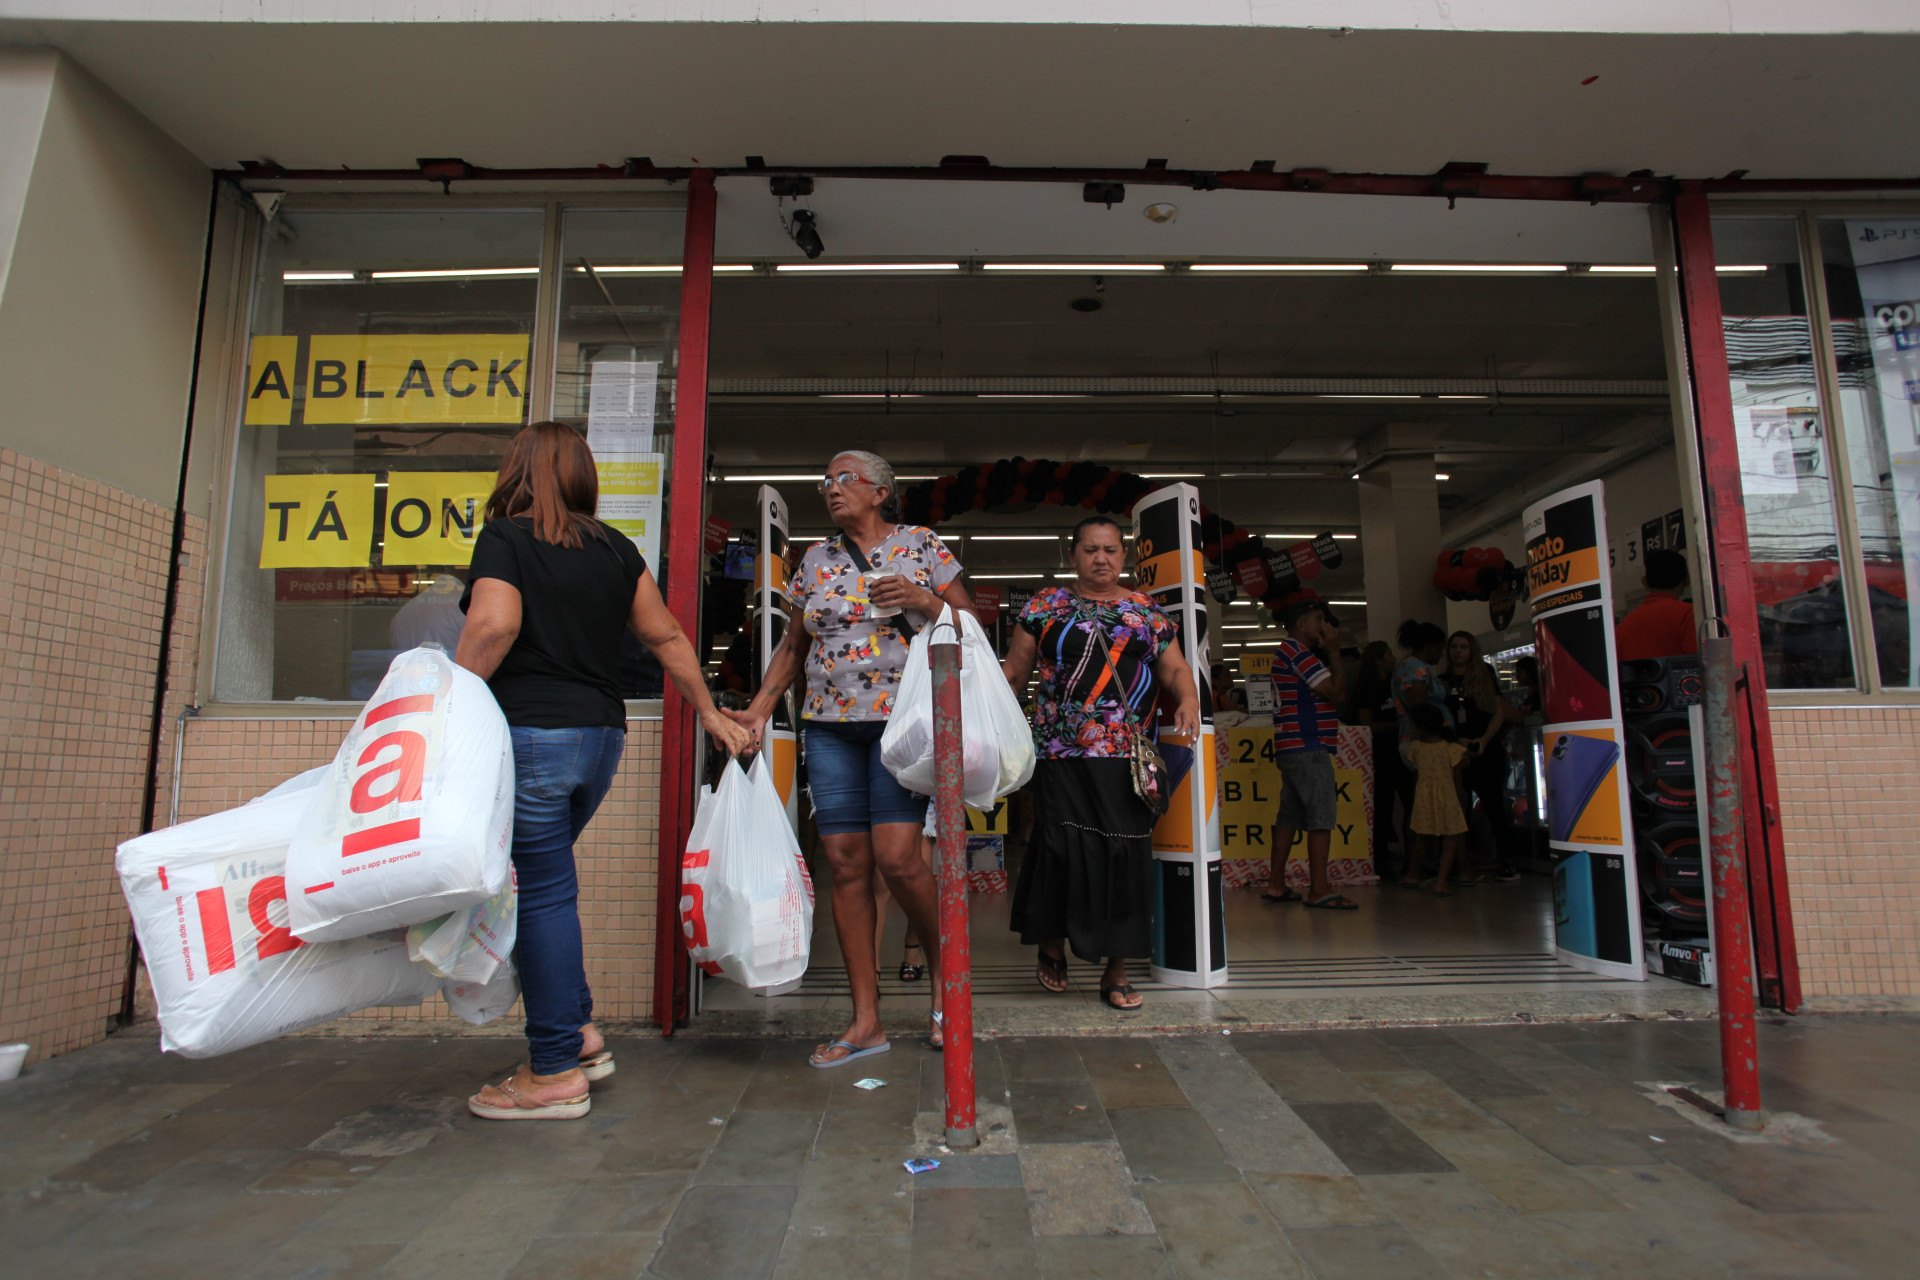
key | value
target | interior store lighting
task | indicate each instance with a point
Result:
(1363, 395)
(1173, 475)
(1482, 268)
(1032, 395)
(1349, 604)
(1749, 269)
(309, 277)
(1277, 268)
(869, 395)
(1013, 537)
(1076, 268)
(1007, 577)
(1600, 269)
(657, 269)
(1344, 537)
(1466, 397)
(1441, 475)
(449, 273)
(896, 268)
(757, 478)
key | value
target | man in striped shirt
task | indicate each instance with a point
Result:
(1306, 686)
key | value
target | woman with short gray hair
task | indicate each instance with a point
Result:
(857, 600)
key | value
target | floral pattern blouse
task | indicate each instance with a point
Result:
(1078, 712)
(855, 660)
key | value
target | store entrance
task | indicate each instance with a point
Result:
(1005, 392)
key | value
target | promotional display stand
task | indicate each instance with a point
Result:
(769, 629)
(1189, 926)
(1596, 900)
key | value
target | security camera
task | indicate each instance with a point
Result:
(805, 235)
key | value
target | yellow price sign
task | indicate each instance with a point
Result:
(429, 377)
(433, 517)
(318, 522)
(272, 361)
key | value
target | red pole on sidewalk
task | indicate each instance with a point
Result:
(956, 951)
(1732, 938)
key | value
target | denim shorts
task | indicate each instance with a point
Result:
(850, 789)
(1309, 796)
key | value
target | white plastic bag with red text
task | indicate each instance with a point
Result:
(746, 900)
(209, 906)
(414, 818)
(468, 946)
(482, 1002)
(996, 746)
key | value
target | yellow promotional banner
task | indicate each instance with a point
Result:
(427, 377)
(272, 361)
(434, 516)
(1251, 800)
(318, 522)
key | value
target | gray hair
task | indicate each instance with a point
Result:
(880, 471)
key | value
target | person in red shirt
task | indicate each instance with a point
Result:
(1662, 626)
(1305, 732)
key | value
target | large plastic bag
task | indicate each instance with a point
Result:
(996, 746)
(468, 946)
(414, 818)
(746, 900)
(209, 905)
(482, 1002)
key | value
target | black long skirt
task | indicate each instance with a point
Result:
(1088, 873)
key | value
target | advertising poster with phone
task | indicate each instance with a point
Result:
(1596, 906)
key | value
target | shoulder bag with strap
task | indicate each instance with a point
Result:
(906, 629)
(1151, 781)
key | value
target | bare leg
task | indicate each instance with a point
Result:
(1416, 858)
(1449, 850)
(1277, 863)
(850, 859)
(881, 896)
(897, 853)
(1319, 847)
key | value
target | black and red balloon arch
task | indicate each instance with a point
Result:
(1273, 575)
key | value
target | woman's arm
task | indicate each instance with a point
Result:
(1171, 669)
(493, 624)
(782, 669)
(660, 632)
(1021, 651)
(897, 591)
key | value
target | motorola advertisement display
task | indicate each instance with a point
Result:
(1189, 923)
(1596, 910)
(769, 629)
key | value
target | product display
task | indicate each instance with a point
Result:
(414, 818)
(1576, 766)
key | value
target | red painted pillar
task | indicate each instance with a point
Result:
(956, 948)
(1726, 519)
(1727, 876)
(686, 521)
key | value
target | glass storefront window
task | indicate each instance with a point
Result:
(390, 359)
(1872, 274)
(1786, 470)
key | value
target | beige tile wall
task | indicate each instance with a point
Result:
(1850, 804)
(229, 761)
(83, 570)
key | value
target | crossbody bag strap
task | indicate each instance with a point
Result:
(906, 629)
(1106, 651)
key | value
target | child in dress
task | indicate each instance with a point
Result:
(1437, 765)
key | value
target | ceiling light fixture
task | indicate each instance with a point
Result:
(1277, 268)
(1599, 269)
(308, 277)
(1345, 395)
(455, 272)
(1482, 268)
(1014, 537)
(1752, 269)
(1441, 475)
(1007, 577)
(1076, 268)
(1173, 475)
(898, 268)
(1466, 397)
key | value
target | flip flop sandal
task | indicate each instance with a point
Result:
(1056, 967)
(1122, 989)
(597, 1066)
(937, 1038)
(1285, 895)
(525, 1108)
(1333, 902)
(853, 1051)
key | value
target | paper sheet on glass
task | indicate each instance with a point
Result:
(1765, 438)
(620, 406)
(631, 499)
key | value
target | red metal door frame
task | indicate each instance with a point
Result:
(686, 520)
(1726, 521)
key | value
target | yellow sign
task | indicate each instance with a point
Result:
(1256, 664)
(434, 516)
(988, 822)
(317, 522)
(272, 361)
(1251, 801)
(631, 499)
(428, 377)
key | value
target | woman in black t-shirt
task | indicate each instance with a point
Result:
(553, 592)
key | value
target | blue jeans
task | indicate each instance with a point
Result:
(559, 778)
(850, 789)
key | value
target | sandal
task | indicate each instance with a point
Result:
(1122, 990)
(1285, 895)
(1054, 967)
(911, 972)
(597, 1066)
(1334, 902)
(521, 1107)
(937, 1037)
(852, 1051)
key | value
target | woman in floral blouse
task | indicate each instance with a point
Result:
(1105, 654)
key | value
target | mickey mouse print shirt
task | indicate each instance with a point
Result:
(855, 661)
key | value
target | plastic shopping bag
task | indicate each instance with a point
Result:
(209, 905)
(414, 818)
(996, 747)
(746, 900)
(468, 946)
(482, 1002)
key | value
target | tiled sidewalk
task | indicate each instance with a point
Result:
(1524, 1151)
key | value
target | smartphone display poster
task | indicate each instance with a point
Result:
(1570, 595)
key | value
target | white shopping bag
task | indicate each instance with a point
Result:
(746, 900)
(468, 946)
(996, 745)
(209, 906)
(414, 818)
(482, 1002)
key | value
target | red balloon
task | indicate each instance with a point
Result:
(1019, 493)
(1211, 551)
(1087, 502)
(1442, 560)
(1056, 496)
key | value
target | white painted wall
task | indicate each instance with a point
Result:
(26, 83)
(102, 283)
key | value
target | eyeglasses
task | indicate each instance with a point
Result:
(842, 480)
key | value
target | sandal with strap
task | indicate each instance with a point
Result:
(525, 1108)
(1054, 967)
(911, 972)
(1123, 990)
(597, 1066)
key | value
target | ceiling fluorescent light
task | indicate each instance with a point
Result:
(870, 395)
(307, 277)
(1007, 577)
(1014, 537)
(1616, 270)
(455, 273)
(817, 268)
(1483, 268)
(1753, 269)
(1031, 395)
(1331, 395)
(1095, 268)
(1441, 475)
(1349, 604)
(1271, 268)
(1466, 397)
(764, 479)
(1173, 475)
(633, 269)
